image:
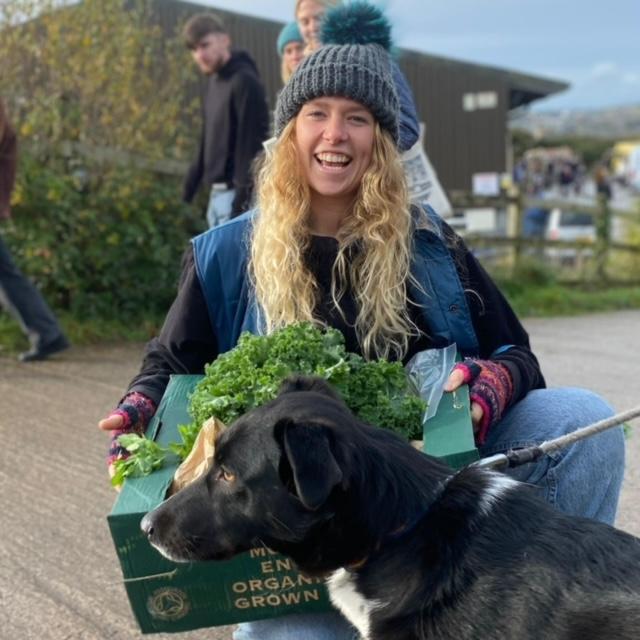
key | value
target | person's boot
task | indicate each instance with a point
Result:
(42, 352)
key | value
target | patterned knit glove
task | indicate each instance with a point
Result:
(136, 411)
(491, 386)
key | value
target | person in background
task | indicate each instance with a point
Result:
(18, 295)
(290, 49)
(309, 14)
(602, 182)
(235, 120)
(357, 22)
(334, 240)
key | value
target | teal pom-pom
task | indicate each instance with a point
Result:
(356, 22)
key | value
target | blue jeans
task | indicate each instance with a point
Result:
(583, 479)
(20, 297)
(220, 204)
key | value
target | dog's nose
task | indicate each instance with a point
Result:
(146, 524)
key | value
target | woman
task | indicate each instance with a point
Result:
(309, 14)
(17, 294)
(290, 49)
(335, 240)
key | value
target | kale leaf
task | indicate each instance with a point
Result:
(378, 392)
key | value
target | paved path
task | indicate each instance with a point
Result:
(59, 575)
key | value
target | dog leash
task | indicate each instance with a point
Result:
(517, 457)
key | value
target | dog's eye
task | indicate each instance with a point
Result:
(226, 475)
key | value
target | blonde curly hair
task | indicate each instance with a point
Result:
(374, 253)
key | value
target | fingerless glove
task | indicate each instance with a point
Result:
(491, 386)
(136, 410)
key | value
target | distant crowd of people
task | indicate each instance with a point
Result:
(538, 174)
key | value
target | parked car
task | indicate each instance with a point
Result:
(534, 222)
(569, 225)
(560, 224)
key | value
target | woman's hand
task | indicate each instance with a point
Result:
(490, 391)
(113, 422)
(455, 381)
(132, 416)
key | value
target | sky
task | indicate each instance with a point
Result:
(592, 44)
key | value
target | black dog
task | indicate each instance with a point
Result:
(411, 550)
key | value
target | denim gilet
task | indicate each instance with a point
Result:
(221, 255)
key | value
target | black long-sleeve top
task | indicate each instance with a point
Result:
(235, 123)
(186, 342)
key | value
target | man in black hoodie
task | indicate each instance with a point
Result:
(235, 120)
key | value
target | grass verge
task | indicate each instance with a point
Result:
(559, 300)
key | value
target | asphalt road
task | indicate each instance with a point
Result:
(59, 575)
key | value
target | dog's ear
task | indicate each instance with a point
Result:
(308, 383)
(315, 470)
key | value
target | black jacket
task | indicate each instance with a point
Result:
(235, 123)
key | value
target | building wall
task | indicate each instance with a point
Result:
(458, 142)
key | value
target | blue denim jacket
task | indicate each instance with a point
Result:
(221, 256)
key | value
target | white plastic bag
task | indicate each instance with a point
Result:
(429, 370)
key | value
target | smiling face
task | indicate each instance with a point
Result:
(212, 52)
(292, 55)
(334, 142)
(309, 16)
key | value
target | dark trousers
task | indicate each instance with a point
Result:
(25, 303)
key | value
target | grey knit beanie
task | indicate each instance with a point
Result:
(360, 72)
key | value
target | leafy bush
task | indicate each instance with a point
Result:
(110, 246)
(84, 82)
(96, 72)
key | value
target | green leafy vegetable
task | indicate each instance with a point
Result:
(250, 374)
(146, 456)
(188, 433)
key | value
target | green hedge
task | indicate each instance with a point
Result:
(99, 241)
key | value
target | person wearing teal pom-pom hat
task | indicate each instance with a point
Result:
(290, 49)
(309, 15)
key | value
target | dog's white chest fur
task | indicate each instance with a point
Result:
(352, 604)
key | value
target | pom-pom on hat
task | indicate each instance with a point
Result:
(360, 71)
(356, 22)
(290, 33)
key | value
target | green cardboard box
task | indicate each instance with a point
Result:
(449, 434)
(169, 597)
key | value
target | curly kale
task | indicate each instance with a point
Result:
(378, 392)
